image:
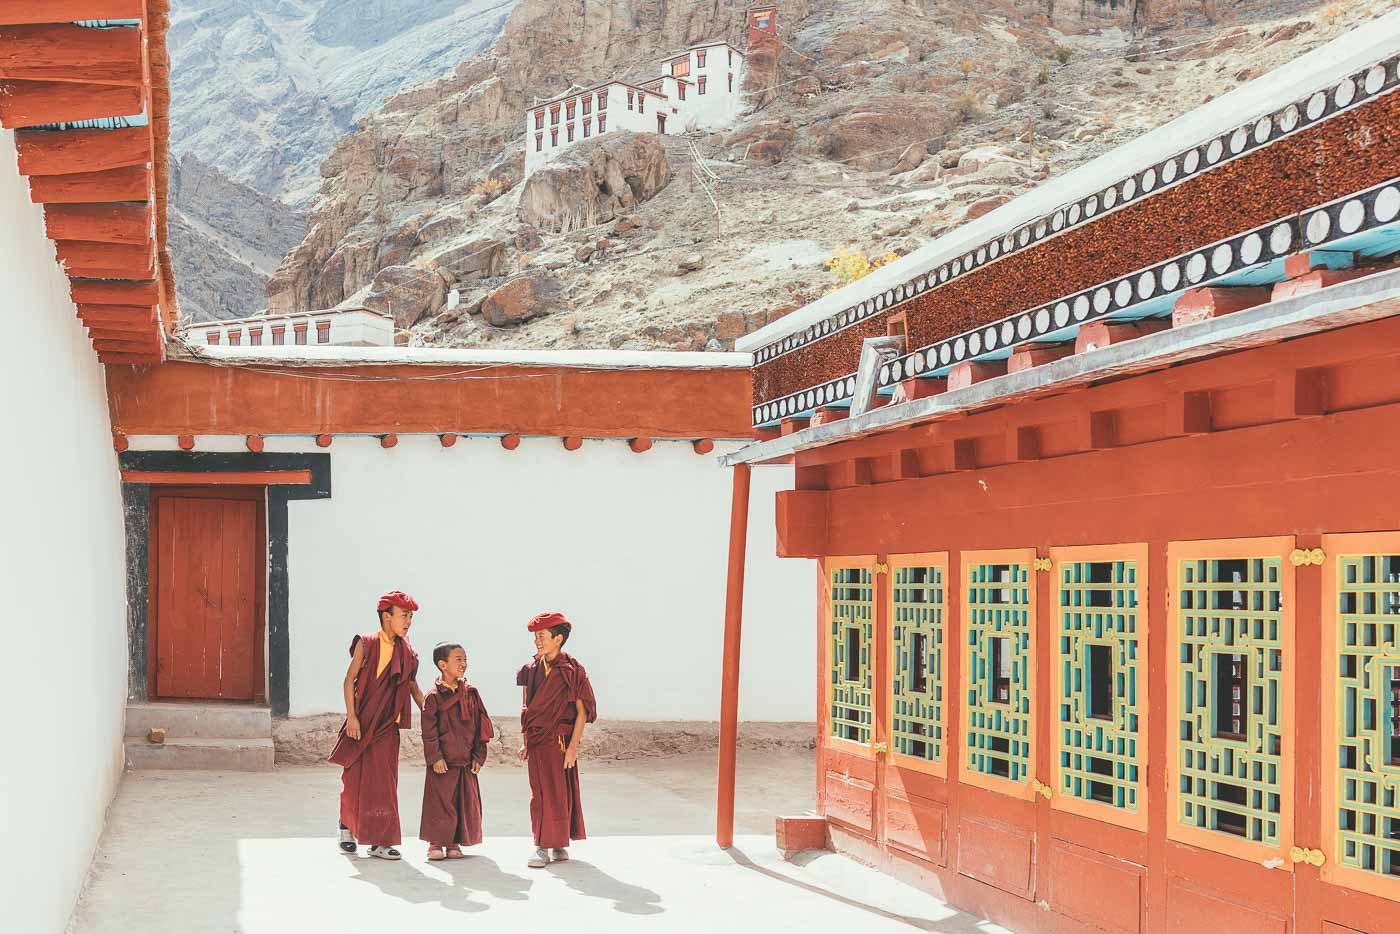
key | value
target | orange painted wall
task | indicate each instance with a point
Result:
(1013, 859)
(197, 398)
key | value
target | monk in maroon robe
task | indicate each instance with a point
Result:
(456, 735)
(380, 691)
(558, 701)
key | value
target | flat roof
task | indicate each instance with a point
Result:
(337, 355)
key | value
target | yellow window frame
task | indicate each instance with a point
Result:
(829, 566)
(1096, 810)
(1278, 548)
(935, 559)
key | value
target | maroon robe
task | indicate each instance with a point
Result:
(456, 730)
(369, 796)
(547, 723)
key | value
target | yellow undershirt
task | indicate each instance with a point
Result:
(386, 654)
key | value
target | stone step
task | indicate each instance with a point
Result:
(199, 721)
(227, 755)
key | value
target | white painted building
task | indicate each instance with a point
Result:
(62, 571)
(699, 89)
(352, 327)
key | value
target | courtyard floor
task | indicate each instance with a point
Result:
(226, 852)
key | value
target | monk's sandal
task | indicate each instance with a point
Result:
(540, 859)
(385, 852)
(347, 839)
(559, 854)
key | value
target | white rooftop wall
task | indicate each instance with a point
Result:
(62, 570)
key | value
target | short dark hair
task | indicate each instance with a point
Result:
(444, 649)
(562, 630)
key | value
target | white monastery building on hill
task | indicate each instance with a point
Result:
(352, 327)
(700, 89)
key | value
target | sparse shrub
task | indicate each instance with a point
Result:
(967, 66)
(1063, 54)
(966, 106)
(1044, 76)
(1332, 13)
(489, 189)
(849, 265)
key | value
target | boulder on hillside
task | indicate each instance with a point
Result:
(483, 258)
(594, 182)
(406, 292)
(520, 299)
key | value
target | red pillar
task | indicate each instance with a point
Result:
(733, 626)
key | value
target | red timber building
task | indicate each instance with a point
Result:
(1105, 492)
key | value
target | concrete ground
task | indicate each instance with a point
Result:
(255, 852)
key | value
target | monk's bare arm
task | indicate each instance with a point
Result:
(571, 754)
(357, 661)
(417, 693)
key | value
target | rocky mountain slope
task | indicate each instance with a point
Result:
(876, 125)
(262, 89)
(226, 239)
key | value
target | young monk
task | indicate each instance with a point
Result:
(456, 732)
(558, 701)
(378, 685)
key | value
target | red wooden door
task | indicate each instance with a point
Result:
(207, 569)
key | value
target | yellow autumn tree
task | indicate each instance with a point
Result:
(849, 265)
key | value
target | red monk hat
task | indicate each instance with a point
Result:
(549, 621)
(399, 599)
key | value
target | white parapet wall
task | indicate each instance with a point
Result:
(63, 575)
(632, 547)
(349, 327)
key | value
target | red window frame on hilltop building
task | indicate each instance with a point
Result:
(554, 136)
(587, 105)
(212, 337)
(279, 336)
(300, 333)
(680, 67)
(587, 127)
(554, 115)
(569, 110)
(731, 84)
(570, 133)
(602, 123)
(731, 58)
(323, 332)
(680, 90)
(630, 101)
(539, 119)
(701, 81)
(235, 338)
(602, 100)
(539, 141)
(641, 103)
(255, 337)
(700, 59)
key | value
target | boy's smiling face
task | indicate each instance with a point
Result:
(547, 644)
(454, 666)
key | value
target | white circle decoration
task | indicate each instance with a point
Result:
(945, 354)
(1110, 198)
(1171, 277)
(1191, 161)
(1288, 120)
(1061, 314)
(974, 343)
(1129, 189)
(1387, 204)
(1221, 258)
(1374, 79)
(1042, 320)
(1352, 217)
(1146, 284)
(1168, 171)
(1074, 213)
(1238, 140)
(1081, 307)
(1023, 327)
(1123, 293)
(1196, 267)
(989, 337)
(1008, 331)
(1262, 129)
(1102, 300)
(1091, 207)
(1317, 104)
(1251, 249)
(1319, 226)
(1345, 93)
(1280, 239)
(1058, 220)
(1214, 151)
(959, 348)
(885, 373)
(1149, 180)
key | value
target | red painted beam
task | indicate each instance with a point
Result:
(216, 478)
(64, 52)
(117, 314)
(117, 345)
(101, 292)
(107, 260)
(31, 103)
(128, 359)
(61, 152)
(132, 183)
(122, 330)
(67, 11)
(103, 223)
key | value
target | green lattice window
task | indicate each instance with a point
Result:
(999, 657)
(917, 605)
(1368, 706)
(1099, 682)
(852, 642)
(1230, 670)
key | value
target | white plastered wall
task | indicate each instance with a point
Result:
(62, 570)
(632, 547)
